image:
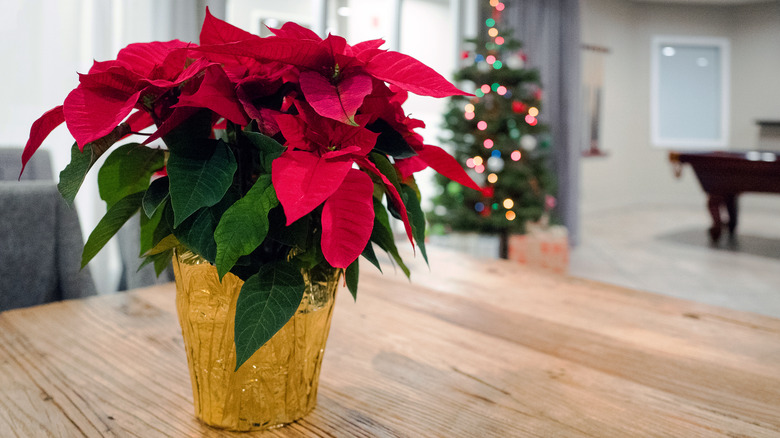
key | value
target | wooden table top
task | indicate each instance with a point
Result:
(469, 348)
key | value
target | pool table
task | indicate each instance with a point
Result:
(724, 175)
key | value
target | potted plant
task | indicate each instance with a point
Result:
(269, 165)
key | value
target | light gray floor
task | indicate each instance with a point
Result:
(665, 249)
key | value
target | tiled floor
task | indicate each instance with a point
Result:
(665, 249)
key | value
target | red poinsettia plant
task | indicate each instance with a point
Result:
(264, 156)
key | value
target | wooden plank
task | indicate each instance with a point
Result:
(530, 379)
(25, 408)
(113, 363)
(469, 347)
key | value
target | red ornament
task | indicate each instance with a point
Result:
(518, 107)
(522, 55)
(549, 202)
(464, 54)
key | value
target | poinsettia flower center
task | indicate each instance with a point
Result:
(336, 72)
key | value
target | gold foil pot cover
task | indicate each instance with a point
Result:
(278, 384)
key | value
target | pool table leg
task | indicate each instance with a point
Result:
(713, 204)
(731, 208)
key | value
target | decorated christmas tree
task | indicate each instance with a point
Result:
(498, 136)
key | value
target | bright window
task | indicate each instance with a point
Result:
(690, 92)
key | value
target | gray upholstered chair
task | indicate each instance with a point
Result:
(40, 237)
(39, 167)
(19, 198)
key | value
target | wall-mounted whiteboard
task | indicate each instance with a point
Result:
(690, 92)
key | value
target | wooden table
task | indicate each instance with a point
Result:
(469, 348)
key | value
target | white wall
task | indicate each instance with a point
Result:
(44, 44)
(40, 45)
(755, 69)
(427, 35)
(634, 171)
(246, 13)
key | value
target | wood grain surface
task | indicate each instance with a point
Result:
(468, 348)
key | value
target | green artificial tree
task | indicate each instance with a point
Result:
(497, 135)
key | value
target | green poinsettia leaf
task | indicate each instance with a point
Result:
(190, 137)
(296, 235)
(198, 183)
(244, 225)
(115, 217)
(387, 169)
(269, 148)
(161, 261)
(390, 141)
(72, 176)
(370, 255)
(311, 258)
(382, 235)
(168, 242)
(153, 229)
(351, 275)
(312, 254)
(128, 169)
(416, 217)
(146, 261)
(245, 267)
(266, 302)
(197, 232)
(155, 195)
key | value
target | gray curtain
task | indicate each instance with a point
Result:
(550, 32)
(181, 19)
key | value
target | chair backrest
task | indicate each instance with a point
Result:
(38, 168)
(40, 246)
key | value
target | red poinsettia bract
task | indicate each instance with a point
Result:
(326, 101)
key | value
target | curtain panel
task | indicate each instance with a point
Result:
(550, 33)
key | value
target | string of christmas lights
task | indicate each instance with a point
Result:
(495, 163)
(495, 134)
